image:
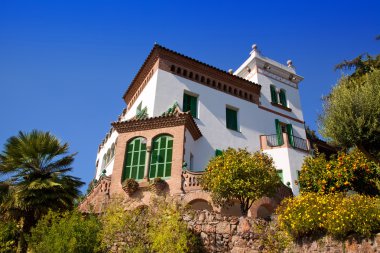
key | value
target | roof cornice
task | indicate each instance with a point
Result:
(160, 53)
(164, 121)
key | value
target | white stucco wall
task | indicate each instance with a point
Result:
(189, 146)
(292, 96)
(289, 161)
(147, 97)
(102, 152)
(211, 120)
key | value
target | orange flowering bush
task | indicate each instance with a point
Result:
(240, 175)
(345, 172)
(334, 214)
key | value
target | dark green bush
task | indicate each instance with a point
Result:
(8, 236)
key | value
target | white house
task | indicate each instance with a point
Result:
(257, 107)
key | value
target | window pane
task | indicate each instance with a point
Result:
(160, 170)
(170, 143)
(152, 171)
(168, 169)
(140, 174)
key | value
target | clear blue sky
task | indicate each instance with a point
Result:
(64, 65)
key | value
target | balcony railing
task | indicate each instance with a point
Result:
(288, 141)
(273, 140)
(191, 180)
(299, 143)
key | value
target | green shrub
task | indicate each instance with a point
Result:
(131, 225)
(8, 236)
(335, 214)
(68, 232)
(157, 228)
(167, 231)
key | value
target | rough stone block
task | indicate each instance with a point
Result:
(223, 227)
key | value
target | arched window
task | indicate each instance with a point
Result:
(108, 156)
(112, 150)
(134, 160)
(104, 161)
(161, 158)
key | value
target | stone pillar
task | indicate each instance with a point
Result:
(147, 162)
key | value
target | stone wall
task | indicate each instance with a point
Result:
(243, 235)
(246, 235)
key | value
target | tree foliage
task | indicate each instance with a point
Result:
(8, 236)
(346, 172)
(361, 64)
(68, 232)
(35, 166)
(240, 175)
(351, 114)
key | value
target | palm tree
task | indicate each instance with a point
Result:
(35, 166)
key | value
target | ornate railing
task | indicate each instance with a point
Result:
(273, 141)
(191, 180)
(299, 143)
(288, 141)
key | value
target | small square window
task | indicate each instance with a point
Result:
(231, 119)
(190, 104)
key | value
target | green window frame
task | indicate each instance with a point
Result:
(190, 103)
(134, 160)
(161, 157)
(273, 94)
(231, 119)
(281, 175)
(283, 101)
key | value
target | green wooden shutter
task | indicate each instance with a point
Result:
(279, 132)
(134, 160)
(289, 130)
(283, 98)
(161, 157)
(186, 103)
(218, 152)
(280, 174)
(193, 106)
(273, 94)
(190, 104)
(231, 119)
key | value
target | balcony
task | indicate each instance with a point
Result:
(191, 180)
(287, 141)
